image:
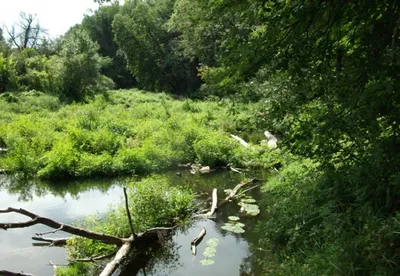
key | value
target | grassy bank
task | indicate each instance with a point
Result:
(122, 133)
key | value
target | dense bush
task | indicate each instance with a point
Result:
(310, 229)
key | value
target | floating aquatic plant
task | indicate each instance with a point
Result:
(209, 252)
(233, 218)
(249, 208)
(234, 227)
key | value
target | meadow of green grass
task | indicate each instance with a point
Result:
(122, 132)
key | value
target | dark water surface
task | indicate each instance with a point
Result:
(67, 202)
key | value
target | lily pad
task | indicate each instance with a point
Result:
(233, 218)
(250, 209)
(235, 228)
(207, 262)
(238, 230)
(212, 242)
(209, 253)
(248, 200)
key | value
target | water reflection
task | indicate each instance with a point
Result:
(17, 252)
(73, 200)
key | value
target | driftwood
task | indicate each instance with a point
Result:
(205, 169)
(124, 246)
(236, 170)
(214, 203)
(196, 241)
(241, 141)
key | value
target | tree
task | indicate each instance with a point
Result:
(76, 71)
(27, 33)
(3, 43)
(151, 49)
(99, 28)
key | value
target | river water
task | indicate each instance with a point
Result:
(68, 202)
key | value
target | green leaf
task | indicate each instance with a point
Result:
(248, 200)
(212, 242)
(233, 218)
(207, 262)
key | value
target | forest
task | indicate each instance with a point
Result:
(141, 87)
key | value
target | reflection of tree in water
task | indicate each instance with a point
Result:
(26, 189)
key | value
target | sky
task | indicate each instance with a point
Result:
(56, 16)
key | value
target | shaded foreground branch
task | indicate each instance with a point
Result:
(125, 245)
(9, 273)
(36, 219)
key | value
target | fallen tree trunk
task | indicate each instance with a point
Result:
(125, 245)
(119, 258)
(214, 203)
(196, 241)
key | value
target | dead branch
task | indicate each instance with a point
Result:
(232, 194)
(36, 219)
(128, 213)
(125, 245)
(54, 267)
(50, 242)
(241, 141)
(196, 241)
(97, 258)
(9, 273)
(235, 170)
(50, 232)
(214, 203)
(245, 191)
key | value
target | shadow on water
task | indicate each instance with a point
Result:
(72, 200)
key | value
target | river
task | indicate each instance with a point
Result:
(70, 201)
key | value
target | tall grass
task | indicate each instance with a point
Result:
(126, 132)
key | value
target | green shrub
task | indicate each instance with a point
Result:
(310, 231)
(214, 148)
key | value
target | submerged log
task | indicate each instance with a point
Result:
(196, 241)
